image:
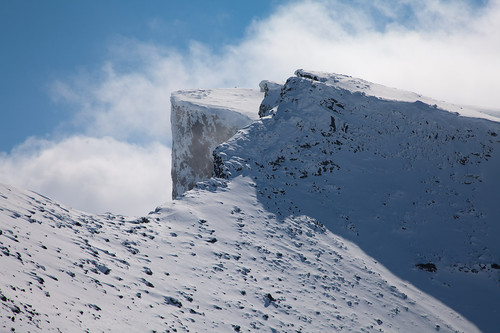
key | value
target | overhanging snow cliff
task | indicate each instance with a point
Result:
(201, 120)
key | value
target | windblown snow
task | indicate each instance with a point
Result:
(338, 210)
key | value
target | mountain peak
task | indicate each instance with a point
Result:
(355, 85)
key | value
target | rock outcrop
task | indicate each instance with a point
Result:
(272, 96)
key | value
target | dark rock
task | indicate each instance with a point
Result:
(268, 299)
(300, 73)
(147, 283)
(219, 168)
(332, 124)
(103, 269)
(429, 267)
(93, 306)
(173, 301)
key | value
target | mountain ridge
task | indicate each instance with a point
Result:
(423, 179)
(336, 210)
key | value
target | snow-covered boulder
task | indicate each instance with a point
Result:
(201, 120)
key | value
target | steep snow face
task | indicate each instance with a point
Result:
(217, 260)
(413, 185)
(201, 120)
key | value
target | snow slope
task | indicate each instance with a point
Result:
(413, 185)
(215, 261)
(336, 211)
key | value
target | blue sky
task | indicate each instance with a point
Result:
(85, 85)
(46, 40)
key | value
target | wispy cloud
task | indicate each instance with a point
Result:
(448, 50)
(444, 49)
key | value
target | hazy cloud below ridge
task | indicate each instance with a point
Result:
(93, 174)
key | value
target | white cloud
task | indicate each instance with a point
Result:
(447, 50)
(444, 49)
(98, 175)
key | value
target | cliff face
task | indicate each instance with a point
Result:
(201, 120)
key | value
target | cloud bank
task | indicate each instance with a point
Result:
(100, 174)
(119, 160)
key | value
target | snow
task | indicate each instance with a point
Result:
(408, 182)
(201, 120)
(272, 92)
(238, 100)
(213, 261)
(377, 90)
(337, 210)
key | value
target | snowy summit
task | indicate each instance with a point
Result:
(335, 205)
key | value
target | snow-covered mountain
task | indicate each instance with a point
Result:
(413, 185)
(347, 206)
